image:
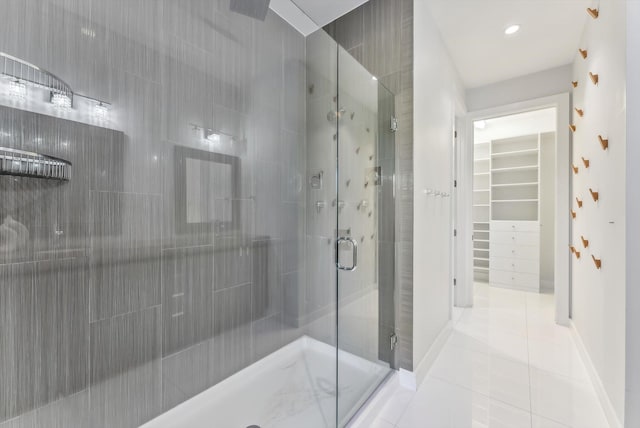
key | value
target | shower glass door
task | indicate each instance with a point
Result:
(365, 235)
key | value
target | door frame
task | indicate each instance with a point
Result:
(562, 226)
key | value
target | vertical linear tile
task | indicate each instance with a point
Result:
(232, 330)
(187, 290)
(125, 253)
(126, 351)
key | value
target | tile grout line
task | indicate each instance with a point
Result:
(526, 321)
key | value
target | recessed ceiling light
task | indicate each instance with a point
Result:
(511, 29)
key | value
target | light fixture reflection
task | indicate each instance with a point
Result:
(18, 90)
(480, 124)
(101, 111)
(61, 101)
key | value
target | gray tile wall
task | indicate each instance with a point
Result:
(379, 34)
(108, 297)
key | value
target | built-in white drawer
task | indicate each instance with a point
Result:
(528, 281)
(515, 265)
(519, 238)
(515, 251)
(515, 226)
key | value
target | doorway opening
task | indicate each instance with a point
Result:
(514, 201)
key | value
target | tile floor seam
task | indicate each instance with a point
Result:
(526, 311)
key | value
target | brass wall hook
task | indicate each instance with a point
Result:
(573, 128)
(594, 13)
(580, 112)
(584, 53)
(573, 214)
(575, 169)
(585, 242)
(594, 195)
(594, 78)
(603, 142)
(597, 262)
(586, 162)
(579, 201)
(575, 83)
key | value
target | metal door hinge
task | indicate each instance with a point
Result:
(455, 281)
(455, 232)
(455, 183)
(394, 124)
(455, 134)
(393, 341)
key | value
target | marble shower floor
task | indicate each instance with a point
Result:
(291, 388)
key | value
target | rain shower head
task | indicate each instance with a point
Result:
(256, 9)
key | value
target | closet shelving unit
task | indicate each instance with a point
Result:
(506, 197)
(481, 210)
(515, 213)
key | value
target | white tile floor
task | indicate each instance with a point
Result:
(506, 365)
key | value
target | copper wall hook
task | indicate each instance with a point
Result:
(584, 53)
(594, 195)
(597, 262)
(573, 128)
(574, 251)
(603, 142)
(586, 162)
(594, 78)
(585, 242)
(575, 83)
(575, 169)
(579, 201)
(573, 214)
(594, 13)
(580, 112)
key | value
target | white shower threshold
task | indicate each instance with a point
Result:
(292, 388)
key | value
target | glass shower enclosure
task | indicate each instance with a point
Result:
(197, 218)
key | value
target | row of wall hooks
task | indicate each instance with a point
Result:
(574, 250)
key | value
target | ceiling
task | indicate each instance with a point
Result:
(309, 15)
(473, 31)
(516, 125)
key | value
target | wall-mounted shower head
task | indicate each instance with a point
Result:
(256, 9)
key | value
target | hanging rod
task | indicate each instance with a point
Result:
(29, 164)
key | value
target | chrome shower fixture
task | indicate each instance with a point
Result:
(256, 9)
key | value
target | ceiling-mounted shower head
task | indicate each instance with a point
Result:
(256, 9)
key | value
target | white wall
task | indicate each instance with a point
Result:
(536, 85)
(599, 295)
(547, 209)
(632, 408)
(438, 94)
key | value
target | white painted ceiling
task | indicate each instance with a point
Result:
(473, 31)
(516, 125)
(323, 12)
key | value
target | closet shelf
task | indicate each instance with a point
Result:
(516, 168)
(514, 200)
(482, 173)
(515, 184)
(514, 153)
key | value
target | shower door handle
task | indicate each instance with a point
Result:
(354, 246)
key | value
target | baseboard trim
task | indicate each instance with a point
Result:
(601, 392)
(412, 380)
